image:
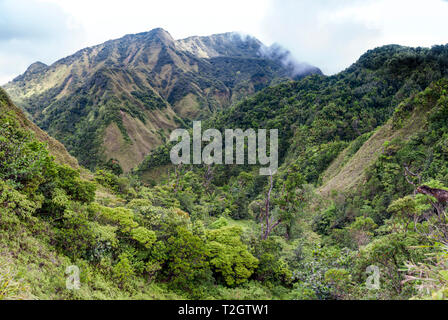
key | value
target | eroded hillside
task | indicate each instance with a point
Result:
(121, 99)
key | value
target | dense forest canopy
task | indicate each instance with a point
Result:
(358, 152)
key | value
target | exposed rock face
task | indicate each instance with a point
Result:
(440, 195)
(120, 99)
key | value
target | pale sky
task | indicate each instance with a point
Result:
(330, 34)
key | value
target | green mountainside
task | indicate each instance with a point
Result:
(348, 139)
(120, 99)
(320, 116)
(362, 186)
(55, 147)
(128, 241)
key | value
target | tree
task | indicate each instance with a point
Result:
(286, 200)
(229, 256)
(339, 280)
(187, 266)
(123, 270)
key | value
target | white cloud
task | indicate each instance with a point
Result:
(330, 34)
(106, 19)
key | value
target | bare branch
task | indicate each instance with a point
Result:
(408, 171)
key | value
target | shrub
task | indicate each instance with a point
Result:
(229, 256)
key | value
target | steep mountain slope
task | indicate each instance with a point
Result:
(197, 234)
(318, 117)
(414, 137)
(347, 171)
(55, 147)
(129, 242)
(359, 152)
(34, 189)
(121, 99)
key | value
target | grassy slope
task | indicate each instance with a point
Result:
(342, 177)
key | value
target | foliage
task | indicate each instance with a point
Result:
(198, 233)
(10, 287)
(430, 276)
(229, 256)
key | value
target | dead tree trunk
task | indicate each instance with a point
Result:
(208, 177)
(177, 173)
(268, 223)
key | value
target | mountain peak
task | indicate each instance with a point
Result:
(155, 35)
(146, 83)
(223, 44)
(159, 31)
(34, 68)
(159, 34)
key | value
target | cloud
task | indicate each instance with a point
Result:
(332, 34)
(29, 20)
(107, 19)
(32, 30)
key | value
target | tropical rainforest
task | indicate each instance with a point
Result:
(356, 210)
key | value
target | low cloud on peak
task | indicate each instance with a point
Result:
(330, 34)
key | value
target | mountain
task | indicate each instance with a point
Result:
(319, 116)
(361, 190)
(121, 99)
(44, 200)
(56, 148)
(362, 180)
(236, 45)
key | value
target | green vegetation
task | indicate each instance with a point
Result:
(143, 84)
(144, 246)
(225, 232)
(326, 121)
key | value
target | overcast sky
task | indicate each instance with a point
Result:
(330, 34)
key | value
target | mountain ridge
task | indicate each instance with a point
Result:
(56, 148)
(348, 105)
(354, 147)
(137, 88)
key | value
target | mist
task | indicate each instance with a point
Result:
(328, 34)
(333, 34)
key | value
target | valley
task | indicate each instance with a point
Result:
(99, 190)
(121, 99)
